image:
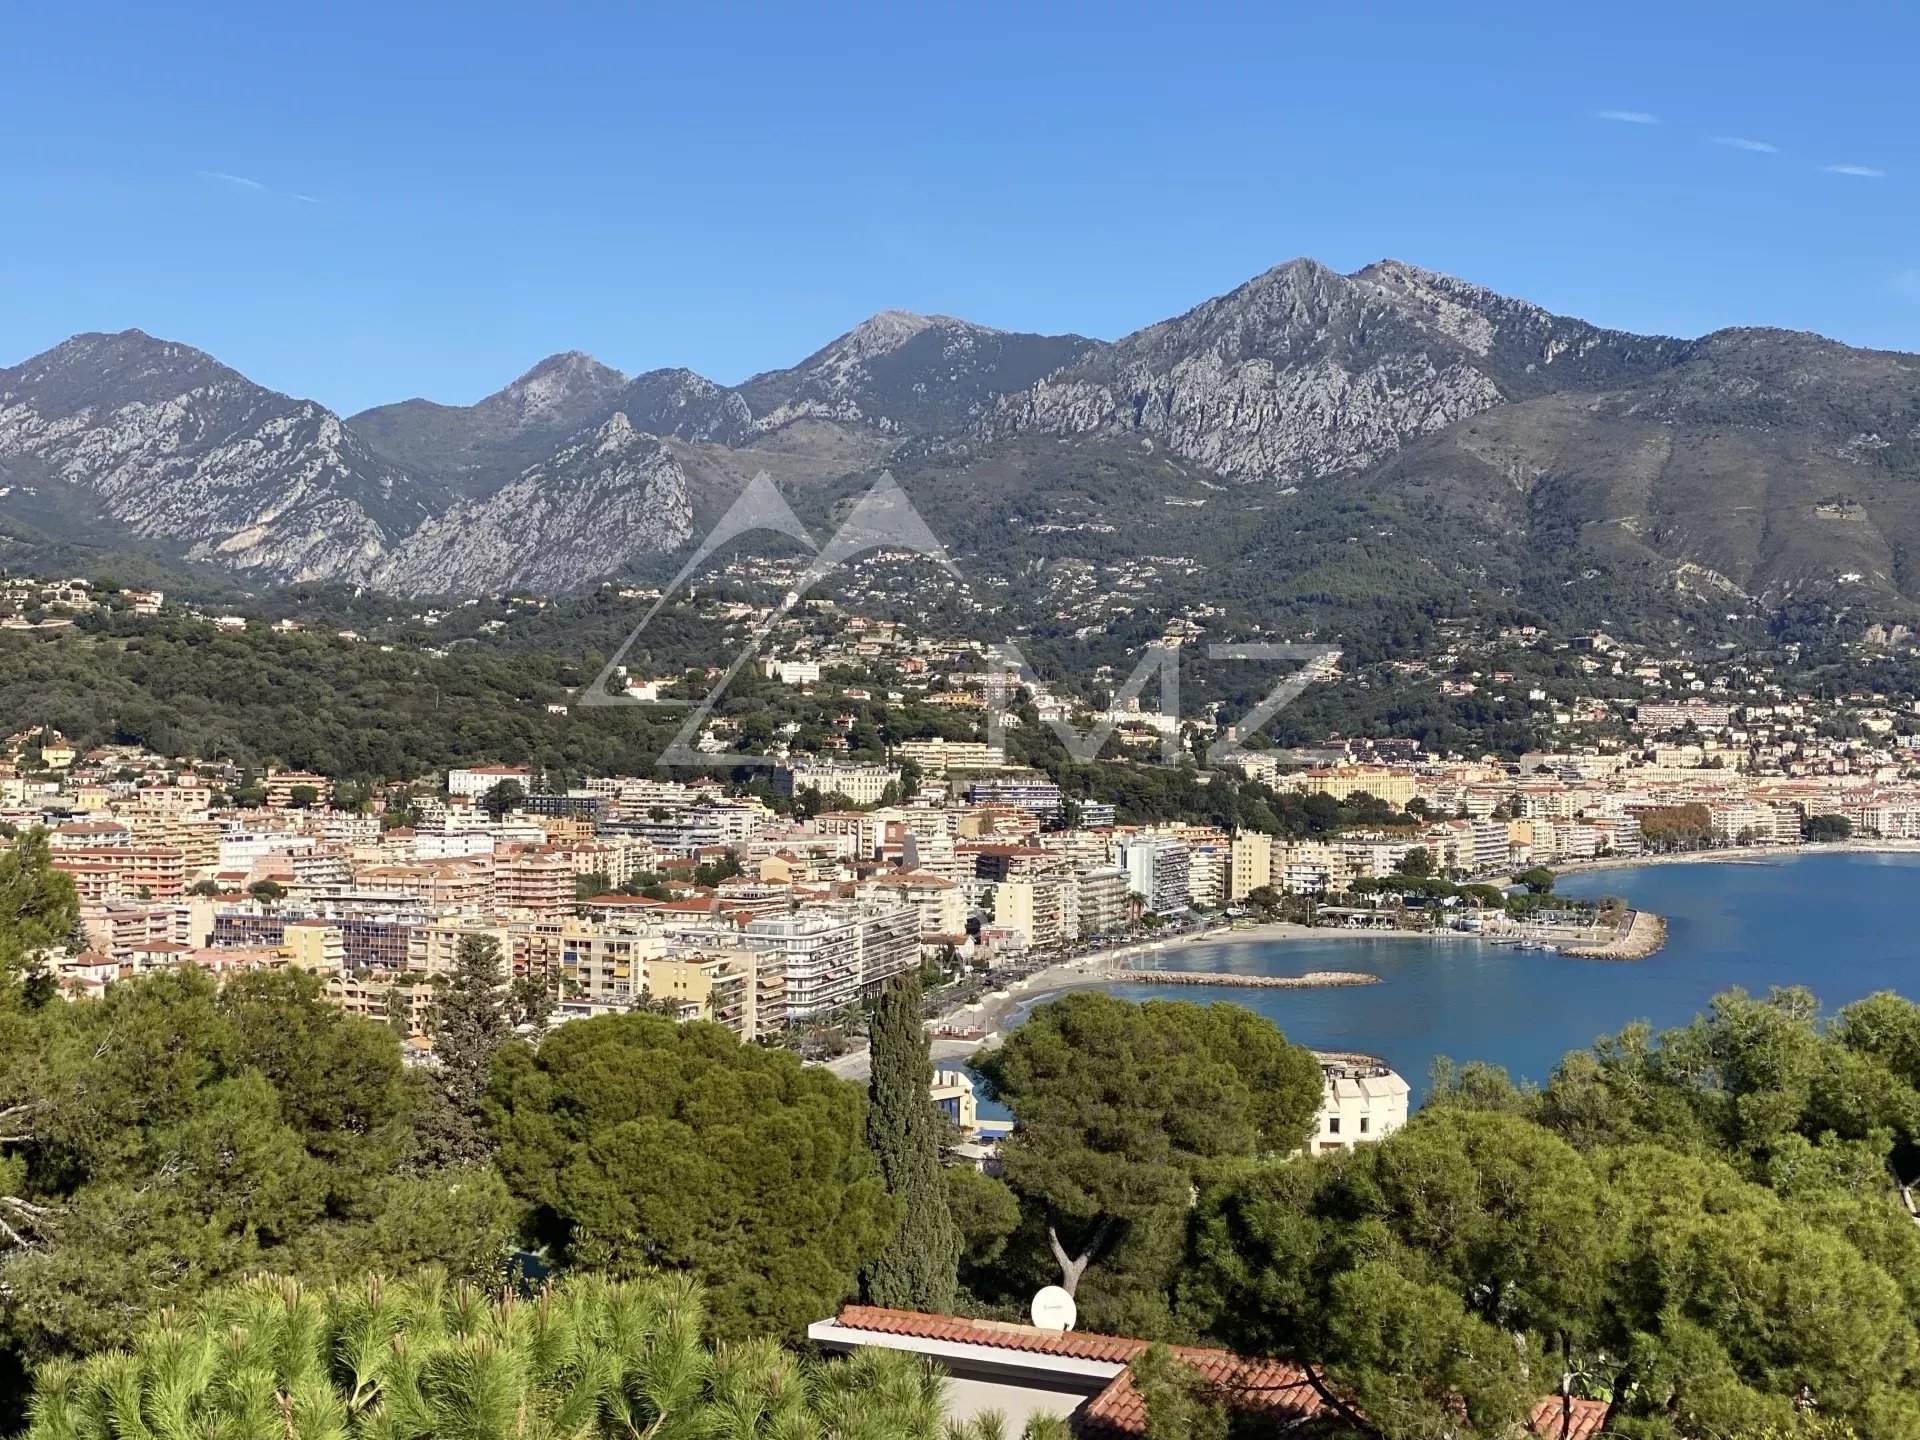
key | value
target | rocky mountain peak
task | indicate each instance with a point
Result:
(890, 329)
(1464, 313)
(901, 371)
(114, 368)
(556, 391)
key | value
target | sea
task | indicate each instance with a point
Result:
(1842, 924)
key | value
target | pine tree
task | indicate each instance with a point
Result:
(918, 1268)
(470, 1022)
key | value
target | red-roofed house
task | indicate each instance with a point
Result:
(1021, 1371)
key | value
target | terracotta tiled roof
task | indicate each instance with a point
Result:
(1249, 1387)
(1583, 1424)
(1267, 1387)
(1005, 1335)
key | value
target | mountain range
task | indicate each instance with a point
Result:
(1452, 430)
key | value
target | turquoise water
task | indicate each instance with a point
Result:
(1843, 925)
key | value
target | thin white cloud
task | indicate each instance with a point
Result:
(306, 199)
(222, 175)
(1736, 142)
(1864, 172)
(1627, 117)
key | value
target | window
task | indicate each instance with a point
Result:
(1333, 1125)
(1363, 1124)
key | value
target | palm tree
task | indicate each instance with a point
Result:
(584, 1359)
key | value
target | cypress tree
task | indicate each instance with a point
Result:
(918, 1268)
(470, 1022)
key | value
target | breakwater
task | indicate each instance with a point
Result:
(1642, 935)
(1313, 980)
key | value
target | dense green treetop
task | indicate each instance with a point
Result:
(644, 1143)
(1122, 1107)
(174, 1134)
(1698, 1226)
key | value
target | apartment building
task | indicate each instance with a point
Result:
(937, 756)
(316, 945)
(406, 1004)
(1209, 861)
(1043, 910)
(118, 930)
(533, 880)
(1157, 869)
(717, 984)
(1101, 904)
(1008, 862)
(607, 965)
(124, 872)
(281, 784)
(467, 884)
(195, 836)
(1701, 714)
(433, 947)
(1250, 864)
(834, 955)
(938, 906)
(1038, 797)
(477, 780)
(1343, 782)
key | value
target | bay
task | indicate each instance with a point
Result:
(1841, 924)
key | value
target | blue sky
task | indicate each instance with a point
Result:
(363, 202)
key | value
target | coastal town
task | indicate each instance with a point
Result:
(778, 901)
(798, 724)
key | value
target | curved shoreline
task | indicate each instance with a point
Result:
(1644, 935)
(1103, 968)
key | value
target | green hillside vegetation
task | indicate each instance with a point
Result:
(361, 712)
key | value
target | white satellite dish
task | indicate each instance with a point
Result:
(1053, 1309)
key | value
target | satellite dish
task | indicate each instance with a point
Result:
(1053, 1309)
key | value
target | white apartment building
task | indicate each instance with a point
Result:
(478, 780)
(792, 672)
(1157, 870)
(1207, 874)
(835, 955)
